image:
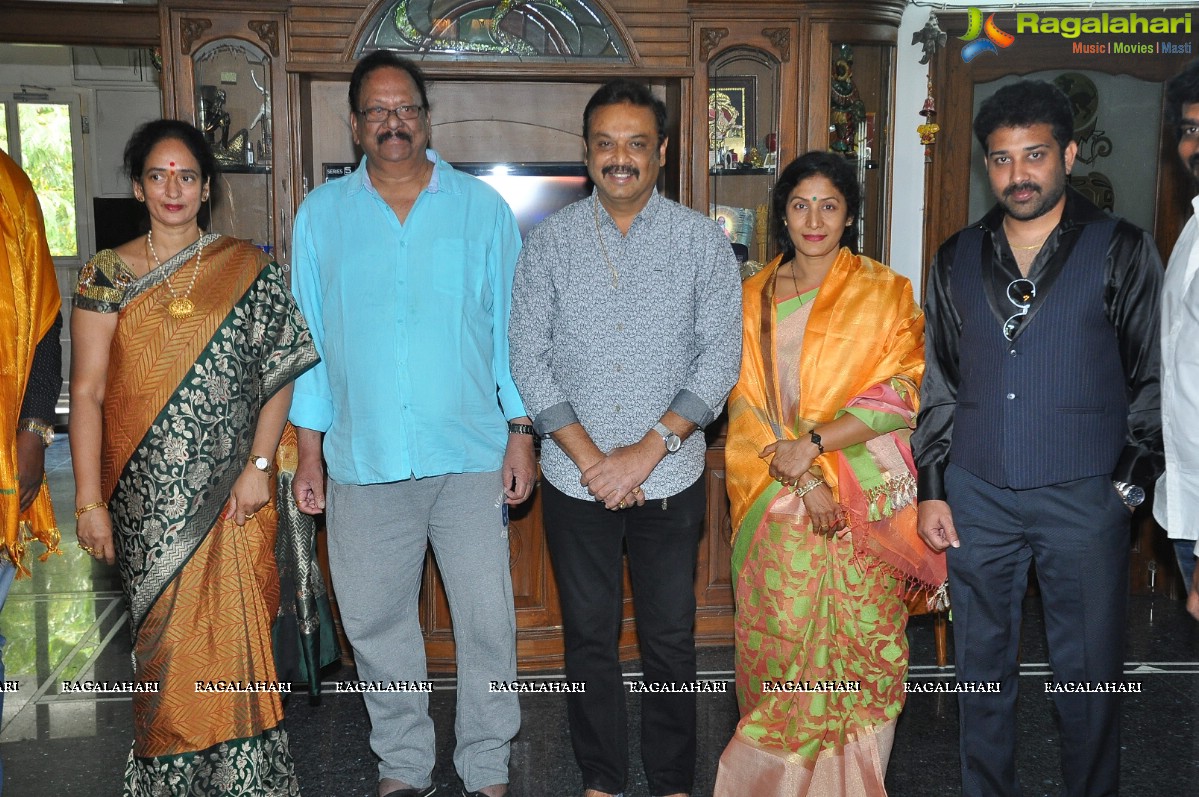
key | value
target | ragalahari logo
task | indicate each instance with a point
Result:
(993, 37)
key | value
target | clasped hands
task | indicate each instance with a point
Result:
(616, 479)
(791, 463)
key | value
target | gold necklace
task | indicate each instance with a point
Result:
(180, 306)
(603, 248)
(1037, 245)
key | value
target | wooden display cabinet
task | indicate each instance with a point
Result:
(771, 86)
(223, 70)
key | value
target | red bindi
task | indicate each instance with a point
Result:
(172, 164)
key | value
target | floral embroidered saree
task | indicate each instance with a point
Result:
(820, 646)
(180, 410)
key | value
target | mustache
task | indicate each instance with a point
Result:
(386, 134)
(621, 169)
(1027, 185)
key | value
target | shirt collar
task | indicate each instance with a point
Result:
(360, 179)
(647, 213)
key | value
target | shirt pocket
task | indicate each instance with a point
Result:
(455, 269)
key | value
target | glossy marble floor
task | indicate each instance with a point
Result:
(69, 622)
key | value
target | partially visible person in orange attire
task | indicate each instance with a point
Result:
(31, 376)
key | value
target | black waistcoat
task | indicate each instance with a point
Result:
(1050, 406)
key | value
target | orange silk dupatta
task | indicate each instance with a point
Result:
(29, 302)
(864, 330)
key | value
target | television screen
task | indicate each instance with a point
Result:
(533, 190)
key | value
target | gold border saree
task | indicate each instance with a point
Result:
(180, 410)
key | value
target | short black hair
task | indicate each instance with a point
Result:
(1182, 89)
(615, 92)
(148, 135)
(1024, 104)
(825, 164)
(378, 60)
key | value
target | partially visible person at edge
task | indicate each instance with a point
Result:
(823, 489)
(625, 316)
(404, 269)
(185, 347)
(1039, 431)
(1176, 499)
(31, 351)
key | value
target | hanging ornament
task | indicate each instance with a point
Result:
(928, 131)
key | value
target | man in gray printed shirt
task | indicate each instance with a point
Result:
(625, 338)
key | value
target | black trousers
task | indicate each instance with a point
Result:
(586, 544)
(1078, 535)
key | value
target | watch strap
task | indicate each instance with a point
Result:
(521, 428)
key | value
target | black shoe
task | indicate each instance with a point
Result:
(466, 793)
(428, 791)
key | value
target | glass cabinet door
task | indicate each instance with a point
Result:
(743, 147)
(232, 85)
(859, 111)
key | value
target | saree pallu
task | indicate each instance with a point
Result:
(820, 646)
(180, 410)
(29, 303)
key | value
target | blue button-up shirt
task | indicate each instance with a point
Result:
(411, 324)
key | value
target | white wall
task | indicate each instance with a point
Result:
(908, 201)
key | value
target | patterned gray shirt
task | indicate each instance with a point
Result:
(617, 358)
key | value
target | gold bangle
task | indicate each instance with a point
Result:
(90, 507)
(800, 492)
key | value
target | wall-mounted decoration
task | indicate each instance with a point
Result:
(732, 113)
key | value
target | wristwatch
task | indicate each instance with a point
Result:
(43, 430)
(673, 441)
(261, 463)
(1132, 495)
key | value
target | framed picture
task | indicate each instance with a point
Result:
(732, 113)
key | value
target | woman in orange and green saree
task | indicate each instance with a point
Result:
(822, 487)
(185, 347)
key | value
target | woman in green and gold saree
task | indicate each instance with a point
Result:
(185, 347)
(822, 490)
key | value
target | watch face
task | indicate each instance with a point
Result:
(1135, 496)
(262, 463)
(673, 443)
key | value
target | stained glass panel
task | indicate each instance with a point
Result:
(509, 29)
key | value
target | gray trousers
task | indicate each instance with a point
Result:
(377, 541)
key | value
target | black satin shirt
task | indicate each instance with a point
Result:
(1132, 302)
(45, 376)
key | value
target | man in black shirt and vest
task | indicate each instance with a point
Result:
(1039, 429)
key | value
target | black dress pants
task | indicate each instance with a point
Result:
(1078, 535)
(586, 544)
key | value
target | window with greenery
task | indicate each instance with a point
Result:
(44, 131)
(508, 29)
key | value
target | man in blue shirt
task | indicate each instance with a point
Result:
(404, 272)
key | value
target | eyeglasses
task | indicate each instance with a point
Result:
(1020, 292)
(377, 113)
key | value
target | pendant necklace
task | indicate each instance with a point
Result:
(603, 248)
(180, 306)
